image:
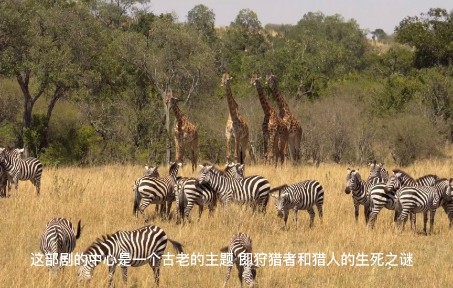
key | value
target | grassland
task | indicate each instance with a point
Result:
(102, 197)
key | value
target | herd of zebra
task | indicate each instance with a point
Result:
(399, 192)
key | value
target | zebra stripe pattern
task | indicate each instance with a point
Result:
(379, 199)
(21, 169)
(253, 189)
(154, 190)
(300, 196)
(59, 237)
(142, 246)
(421, 200)
(189, 192)
(239, 244)
(360, 191)
(448, 208)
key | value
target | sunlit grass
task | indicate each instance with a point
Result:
(103, 198)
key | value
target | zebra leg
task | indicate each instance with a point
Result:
(311, 212)
(425, 221)
(37, 185)
(200, 211)
(401, 220)
(240, 272)
(413, 219)
(319, 206)
(168, 209)
(124, 274)
(227, 275)
(431, 220)
(285, 218)
(112, 269)
(356, 211)
(156, 269)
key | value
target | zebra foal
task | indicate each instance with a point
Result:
(300, 196)
(240, 248)
(58, 237)
(21, 169)
(127, 249)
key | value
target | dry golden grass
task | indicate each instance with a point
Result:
(103, 198)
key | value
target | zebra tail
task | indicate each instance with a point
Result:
(178, 246)
(224, 249)
(137, 199)
(79, 230)
(278, 188)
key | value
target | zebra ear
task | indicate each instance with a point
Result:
(201, 166)
(146, 167)
(450, 181)
(2, 149)
(349, 170)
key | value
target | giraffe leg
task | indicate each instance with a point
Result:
(228, 149)
(272, 151)
(236, 149)
(177, 152)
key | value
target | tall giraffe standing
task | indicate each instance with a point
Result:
(289, 120)
(275, 133)
(186, 133)
(236, 126)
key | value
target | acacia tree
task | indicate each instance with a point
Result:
(203, 19)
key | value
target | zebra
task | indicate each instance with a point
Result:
(59, 237)
(300, 196)
(378, 170)
(241, 250)
(402, 179)
(253, 189)
(379, 199)
(155, 190)
(149, 172)
(127, 249)
(21, 169)
(360, 191)
(3, 181)
(422, 199)
(188, 192)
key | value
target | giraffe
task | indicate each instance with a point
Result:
(289, 120)
(185, 132)
(236, 126)
(275, 133)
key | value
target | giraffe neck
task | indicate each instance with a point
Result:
(232, 104)
(178, 113)
(264, 103)
(281, 103)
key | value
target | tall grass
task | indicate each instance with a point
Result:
(103, 198)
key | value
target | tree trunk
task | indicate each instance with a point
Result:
(59, 92)
(167, 127)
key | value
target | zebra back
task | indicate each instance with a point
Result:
(401, 179)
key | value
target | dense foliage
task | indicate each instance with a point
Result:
(82, 81)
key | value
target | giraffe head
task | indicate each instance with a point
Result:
(271, 80)
(225, 79)
(254, 78)
(171, 100)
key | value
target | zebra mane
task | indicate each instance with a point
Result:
(99, 241)
(402, 172)
(433, 176)
(438, 180)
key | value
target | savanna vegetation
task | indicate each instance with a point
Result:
(82, 81)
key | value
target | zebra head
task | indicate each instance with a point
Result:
(85, 272)
(249, 275)
(353, 180)
(394, 182)
(281, 200)
(449, 192)
(174, 168)
(205, 173)
(235, 170)
(151, 171)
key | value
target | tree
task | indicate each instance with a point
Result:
(203, 19)
(431, 34)
(379, 34)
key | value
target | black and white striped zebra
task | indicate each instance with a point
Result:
(448, 208)
(422, 199)
(127, 249)
(253, 190)
(379, 199)
(378, 170)
(241, 250)
(59, 237)
(21, 169)
(189, 192)
(156, 190)
(360, 191)
(300, 196)
(401, 179)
